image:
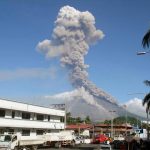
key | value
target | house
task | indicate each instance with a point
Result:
(100, 129)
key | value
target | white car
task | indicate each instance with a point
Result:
(87, 140)
(119, 137)
(79, 140)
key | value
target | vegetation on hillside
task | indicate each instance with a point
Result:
(122, 120)
(119, 120)
(76, 120)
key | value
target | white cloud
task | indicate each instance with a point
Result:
(27, 73)
(135, 106)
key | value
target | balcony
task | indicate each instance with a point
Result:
(18, 123)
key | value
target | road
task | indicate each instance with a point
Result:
(77, 147)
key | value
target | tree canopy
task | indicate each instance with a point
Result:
(76, 120)
(146, 39)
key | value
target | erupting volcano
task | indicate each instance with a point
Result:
(72, 36)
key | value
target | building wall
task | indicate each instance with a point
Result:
(49, 119)
(12, 105)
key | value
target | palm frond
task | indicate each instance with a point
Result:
(147, 82)
(146, 100)
(146, 39)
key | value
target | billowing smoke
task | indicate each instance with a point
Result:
(77, 94)
(74, 32)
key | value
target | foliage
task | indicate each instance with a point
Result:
(146, 101)
(76, 120)
(146, 39)
(87, 119)
(147, 82)
(122, 120)
(107, 122)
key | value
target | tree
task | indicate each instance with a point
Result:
(146, 39)
(79, 120)
(146, 101)
(87, 119)
(108, 122)
(70, 119)
(147, 82)
(146, 43)
(130, 120)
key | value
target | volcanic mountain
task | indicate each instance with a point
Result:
(81, 104)
(72, 36)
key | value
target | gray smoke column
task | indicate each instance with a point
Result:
(74, 32)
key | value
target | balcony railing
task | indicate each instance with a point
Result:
(19, 123)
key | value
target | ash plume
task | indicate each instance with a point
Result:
(72, 36)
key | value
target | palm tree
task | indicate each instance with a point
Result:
(146, 39)
(147, 82)
(146, 101)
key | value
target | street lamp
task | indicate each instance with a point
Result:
(112, 111)
(125, 106)
(142, 52)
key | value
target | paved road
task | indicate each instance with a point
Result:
(77, 147)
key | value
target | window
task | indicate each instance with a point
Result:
(48, 131)
(13, 114)
(11, 131)
(40, 117)
(25, 132)
(62, 119)
(1, 131)
(2, 113)
(39, 132)
(49, 117)
(7, 138)
(25, 115)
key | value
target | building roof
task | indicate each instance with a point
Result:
(14, 105)
(114, 125)
(90, 126)
(81, 126)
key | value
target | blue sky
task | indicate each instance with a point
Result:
(114, 65)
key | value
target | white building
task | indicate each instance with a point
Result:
(29, 119)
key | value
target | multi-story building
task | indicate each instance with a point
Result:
(29, 119)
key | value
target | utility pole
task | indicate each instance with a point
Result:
(65, 119)
(125, 106)
(112, 111)
(93, 131)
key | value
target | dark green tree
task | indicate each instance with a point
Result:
(68, 117)
(78, 120)
(146, 43)
(87, 119)
(147, 82)
(107, 122)
(146, 39)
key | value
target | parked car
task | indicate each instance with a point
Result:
(119, 137)
(79, 140)
(87, 140)
(101, 138)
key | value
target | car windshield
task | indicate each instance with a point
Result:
(5, 138)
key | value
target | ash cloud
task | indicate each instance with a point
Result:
(72, 36)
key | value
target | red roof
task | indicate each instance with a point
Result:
(77, 126)
(90, 126)
(117, 126)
